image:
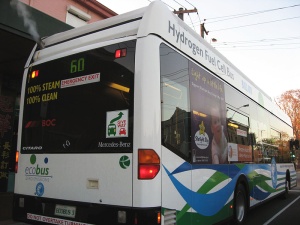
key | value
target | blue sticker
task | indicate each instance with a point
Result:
(39, 189)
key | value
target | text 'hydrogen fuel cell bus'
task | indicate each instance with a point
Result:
(137, 120)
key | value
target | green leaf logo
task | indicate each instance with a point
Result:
(124, 162)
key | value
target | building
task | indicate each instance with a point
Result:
(73, 12)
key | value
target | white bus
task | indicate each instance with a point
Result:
(138, 120)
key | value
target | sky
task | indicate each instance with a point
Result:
(260, 37)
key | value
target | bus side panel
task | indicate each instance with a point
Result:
(147, 119)
(208, 197)
(213, 189)
(194, 193)
(176, 185)
(269, 180)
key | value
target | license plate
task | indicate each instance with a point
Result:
(66, 211)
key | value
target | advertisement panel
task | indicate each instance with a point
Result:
(241, 153)
(208, 117)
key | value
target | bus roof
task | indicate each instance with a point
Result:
(158, 20)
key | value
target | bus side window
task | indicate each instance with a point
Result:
(175, 109)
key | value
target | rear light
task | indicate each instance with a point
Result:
(135, 219)
(35, 74)
(149, 164)
(120, 53)
(148, 171)
(17, 162)
(158, 218)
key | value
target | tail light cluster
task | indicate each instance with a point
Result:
(17, 161)
(119, 53)
(148, 164)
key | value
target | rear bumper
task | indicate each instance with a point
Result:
(33, 209)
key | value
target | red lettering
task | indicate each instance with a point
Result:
(121, 123)
(93, 77)
(49, 123)
(63, 82)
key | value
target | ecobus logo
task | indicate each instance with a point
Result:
(36, 169)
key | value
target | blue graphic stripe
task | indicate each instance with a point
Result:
(259, 194)
(205, 204)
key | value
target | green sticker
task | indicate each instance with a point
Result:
(32, 159)
(124, 161)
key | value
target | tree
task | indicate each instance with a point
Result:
(289, 102)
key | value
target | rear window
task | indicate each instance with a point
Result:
(81, 103)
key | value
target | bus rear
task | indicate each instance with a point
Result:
(76, 139)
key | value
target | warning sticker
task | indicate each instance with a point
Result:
(117, 124)
(75, 81)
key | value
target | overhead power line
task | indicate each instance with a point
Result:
(229, 17)
(167, 5)
(255, 24)
(190, 3)
(179, 4)
(257, 45)
(266, 40)
(257, 49)
(281, 43)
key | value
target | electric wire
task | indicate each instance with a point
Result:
(191, 22)
(222, 18)
(259, 40)
(261, 43)
(257, 49)
(168, 5)
(255, 24)
(190, 3)
(179, 4)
